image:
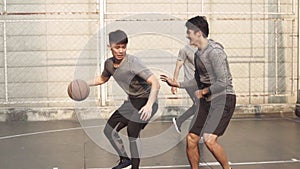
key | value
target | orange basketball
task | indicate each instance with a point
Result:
(78, 90)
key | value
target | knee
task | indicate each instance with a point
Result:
(210, 141)
(133, 132)
(192, 140)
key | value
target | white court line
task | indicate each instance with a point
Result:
(53, 131)
(57, 130)
(293, 160)
(45, 132)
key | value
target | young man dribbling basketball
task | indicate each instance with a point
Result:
(216, 94)
(141, 86)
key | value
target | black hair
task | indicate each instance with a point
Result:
(198, 23)
(118, 37)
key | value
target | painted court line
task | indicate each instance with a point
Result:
(217, 164)
(50, 131)
(58, 130)
(293, 160)
(45, 132)
(54, 131)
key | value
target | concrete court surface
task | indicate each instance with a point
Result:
(251, 143)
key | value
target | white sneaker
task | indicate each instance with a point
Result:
(176, 125)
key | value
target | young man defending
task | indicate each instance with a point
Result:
(215, 91)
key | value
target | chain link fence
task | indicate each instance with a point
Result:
(46, 44)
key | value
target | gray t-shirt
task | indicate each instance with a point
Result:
(186, 54)
(131, 76)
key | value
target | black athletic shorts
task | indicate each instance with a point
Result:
(128, 113)
(213, 116)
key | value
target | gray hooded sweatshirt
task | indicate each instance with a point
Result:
(212, 71)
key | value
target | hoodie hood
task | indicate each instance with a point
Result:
(213, 44)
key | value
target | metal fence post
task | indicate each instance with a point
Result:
(102, 38)
(297, 111)
(5, 62)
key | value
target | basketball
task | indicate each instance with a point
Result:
(78, 90)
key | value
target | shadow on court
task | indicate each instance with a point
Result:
(251, 143)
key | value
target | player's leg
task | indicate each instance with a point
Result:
(115, 123)
(112, 127)
(133, 132)
(189, 112)
(192, 150)
(135, 125)
(211, 140)
(193, 137)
